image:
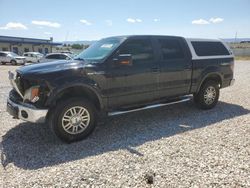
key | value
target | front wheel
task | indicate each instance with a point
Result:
(73, 119)
(208, 95)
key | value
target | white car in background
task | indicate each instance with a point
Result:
(56, 56)
(33, 57)
(11, 57)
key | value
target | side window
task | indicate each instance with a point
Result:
(61, 56)
(140, 49)
(3, 54)
(53, 56)
(171, 49)
(205, 48)
(26, 55)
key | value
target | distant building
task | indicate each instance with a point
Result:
(20, 45)
(245, 41)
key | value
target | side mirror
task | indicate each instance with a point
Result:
(123, 59)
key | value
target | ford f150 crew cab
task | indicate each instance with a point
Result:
(118, 75)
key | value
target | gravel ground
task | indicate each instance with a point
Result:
(173, 146)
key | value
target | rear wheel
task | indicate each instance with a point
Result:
(74, 119)
(13, 62)
(208, 95)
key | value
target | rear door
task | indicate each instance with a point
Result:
(175, 67)
(135, 84)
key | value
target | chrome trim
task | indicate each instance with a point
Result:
(12, 77)
(96, 73)
(148, 107)
(35, 115)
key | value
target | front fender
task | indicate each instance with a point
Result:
(55, 92)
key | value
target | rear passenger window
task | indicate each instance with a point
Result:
(140, 49)
(209, 48)
(53, 56)
(171, 49)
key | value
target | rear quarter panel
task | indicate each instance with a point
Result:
(203, 68)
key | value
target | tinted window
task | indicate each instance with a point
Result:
(3, 54)
(140, 49)
(53, 56)
(209, 48)
(62, 56)
(25, 55)
(171, 49)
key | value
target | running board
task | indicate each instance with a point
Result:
(148, 107)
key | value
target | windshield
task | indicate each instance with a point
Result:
(100, 49)
(13, 54)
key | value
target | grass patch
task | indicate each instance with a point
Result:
(242, 57)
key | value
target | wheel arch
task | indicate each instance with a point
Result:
(76, 91)
(215, 76)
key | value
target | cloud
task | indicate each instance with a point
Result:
(46, 23)
(211, 20)
(14, 25)
(156, 20)
(200, 22)
(47, 33)
(109, 22)
(216, 20)
(132, 20)
(85, 22)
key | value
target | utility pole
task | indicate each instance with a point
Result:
(235, 37)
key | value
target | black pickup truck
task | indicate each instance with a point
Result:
(118, 75)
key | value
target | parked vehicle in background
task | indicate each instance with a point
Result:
(11, 57)
(118, 75)
(33, 57)
(56, 56)
(67, 52)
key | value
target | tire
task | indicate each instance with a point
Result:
(68, 126)
(13, 62)
(3, 63)
(208, 95)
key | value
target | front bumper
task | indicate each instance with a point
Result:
(26, 112)
(20, 61)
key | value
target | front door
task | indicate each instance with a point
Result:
(137, 83)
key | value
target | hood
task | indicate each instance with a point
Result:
(54, 66)
(19, 57)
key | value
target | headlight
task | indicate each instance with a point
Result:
(32, 94)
